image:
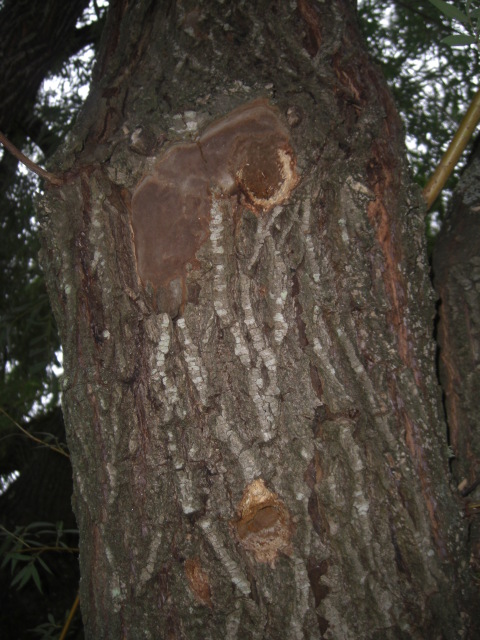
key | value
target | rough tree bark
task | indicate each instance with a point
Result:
(246, 317)
(456, 264)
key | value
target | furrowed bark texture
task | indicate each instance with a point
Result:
(457, 281)
(255, 434)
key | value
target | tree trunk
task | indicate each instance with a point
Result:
(237, 265)
(457, 281)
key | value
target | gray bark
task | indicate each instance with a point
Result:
(253, 414)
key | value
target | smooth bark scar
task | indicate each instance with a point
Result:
(246, 155)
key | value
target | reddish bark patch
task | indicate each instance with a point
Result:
(263, 525)
(314, 473)
(317, 385)
(313, 38)
(414, 442)
(381, 175)
(198, 581)
(246, 154)
(383, 179)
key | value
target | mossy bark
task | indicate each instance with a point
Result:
(258, 450)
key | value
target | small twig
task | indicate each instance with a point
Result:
(468, 490)
(11, 534)
(38, 550)
(29, 435)
(70, 618)
(453, 153)
(27, 548)
(16, 153)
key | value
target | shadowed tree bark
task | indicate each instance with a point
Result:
(236, 262)
(457, 282)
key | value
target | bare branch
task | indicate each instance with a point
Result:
(43, 173)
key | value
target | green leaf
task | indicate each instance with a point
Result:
(3, 549)
(39, 524)
(458, 40)
(36, 578)
(23, 576)
(44, 565)
(35, 543)
(20, 556)
(450, 11)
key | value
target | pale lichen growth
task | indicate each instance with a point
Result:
(237, 576)
(220, 301)
(309, 248)
(150, 564)
(239, 449)
(302, 604)
(321, 348)
(188, 498)
(194, 363)
(160, 330)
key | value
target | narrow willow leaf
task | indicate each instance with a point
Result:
(450, 11)
(458, 40)
(35, 543)
(3, 550)
(44, 565)
(22, 577)
(36, 578)
(20, 556)
(37, 525)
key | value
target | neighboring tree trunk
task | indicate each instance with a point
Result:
(250, 392)
(457, 281)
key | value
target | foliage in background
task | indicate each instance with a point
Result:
(27, 331)
(466, 22)
(24, 549)
(432, 82)
(29, 343)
